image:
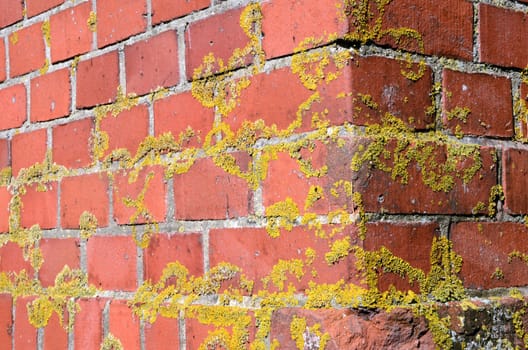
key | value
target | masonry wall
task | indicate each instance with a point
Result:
(275, 174)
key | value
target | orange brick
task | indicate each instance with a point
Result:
(165, 10)
(26, 50)
(124, 325)
(27, 149)
(50, 96)
(58, 253)
(71, 144)
(117, 20)
(13, 101)
(97, 80)
(88, 332)
(39, 207)
(12, 11)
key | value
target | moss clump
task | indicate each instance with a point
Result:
(87, 224)
(110, 342)
(281, 215)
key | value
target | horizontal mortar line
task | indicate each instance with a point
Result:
(432, 218)
(508, 4)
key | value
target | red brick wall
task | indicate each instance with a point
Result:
(263, 174)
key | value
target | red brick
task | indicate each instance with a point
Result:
(382, 193)
(4, 153)
(88, 332)
(34, 7)
(119, 253)
(6, 318)
(84, 193)
(162, 334)
(165, 10)
(488, 98)
(27, 149)
(176, 113)
(50, 96)
(154, 196)
(220, 34)
(117, 20)
(285, 29)
(97, 80)
(502, 32)
(5, 198)
(208, 192)
(55, 336)
(255, 252)
(58, 253)
(166, 248)
(411, 242)
(124, 325)
(70, 34)
(2, 61)
(446, 28)
(152, 63)
(137, 123)
(71, 144)
(515, 180)
(26, 50)
(12, 11)
(523, 97)
(12, 259)
(25, 334)
(484, 247)
(382, 80)
(13, 101)
(39, 207)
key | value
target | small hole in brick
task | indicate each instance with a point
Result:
(381, 198)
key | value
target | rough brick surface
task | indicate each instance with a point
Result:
(28, 149)
(3, 64)
(163, 333)
(50, 96)
(97, 80)
(72, 145)
(13, 100)
(117, 20)
(40, 206)
(514, 170)
(27, 50)
(26, 334)
(5, 198)
(55, 336)
(6, 318)
(124, 325)
(13, 259)
(34, 7)
(88, 325)
(12, 12)
(53, 262)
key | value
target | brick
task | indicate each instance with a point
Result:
(12, 259)
(70, 34)
(154, 196)
(446, 28)
(208, 192)
(97, 80)
(5, 198)
(514, 180)
(84, 193)
(54, 262)
(285, 29)
(488, 99)
(72, 145)
(152, 63)
(26, 50)
(12, 11)
(13, 101)
(381, 80)
(383, 194)
(4, 153)
(255, 252)
(501, 39)
(523, 97)
(88, 332)
(27, 149)
(410, 241)
(25, 334)
(117, 20)
(124, 325)
(176, 113)
(220, 34)
(34, 7)
(494, 241)
(166, 248)
(6, 318)
(55, 336)
(165, 10)
(164, 333)
(50, 96)
(137, 120)
(3, 61)
(39, 207)
(119, 253)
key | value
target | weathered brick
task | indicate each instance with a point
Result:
(4, 153)
(97, 80)
(208, 192)
(501, 39)
(3, 64)
(34, 7)
(151, 184)
(84, 193)
(13, 101)
(27, 149)
(488, 99)
(163, 333)
(6, 318)
(496, 241)
(25, 334)
(5, 198)
(50, 96)
(70, 33)
(53, 262)
(117, 20)
(515, 180)
(152, 63)
(88, 332)
(165, 10)
(176, 113)
(137, 120)
(124, 325)
(166, 248)
(118, 252)
(71, 143)
(39, 207)
(55, 336)
(26, 50)
(12, 11)
(13, 259)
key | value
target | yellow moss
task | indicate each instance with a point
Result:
(314, 194)
(46, 32)
(496, 194)
(92, 21)
(339, 250)
(110, 342)
(497, 274)
(460, 113)
(87, 224)
(281, 215)
(13, 38)
(44, 68)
